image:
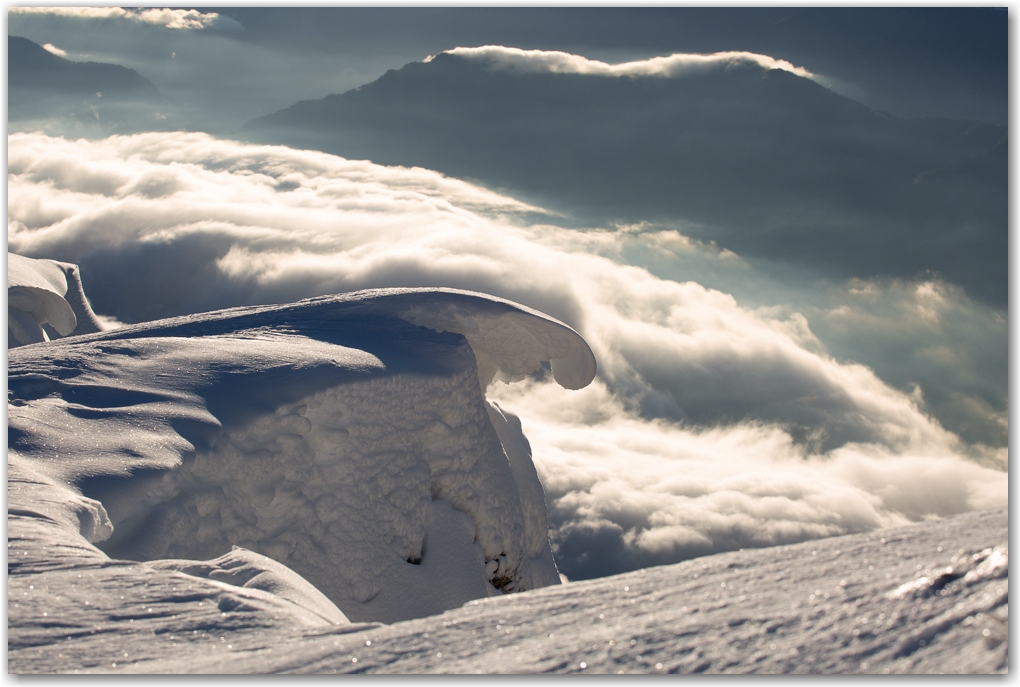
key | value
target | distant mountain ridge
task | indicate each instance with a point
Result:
(767, 163)
(56, 94)
(29, 65)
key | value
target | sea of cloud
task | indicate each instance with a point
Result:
(712, 424)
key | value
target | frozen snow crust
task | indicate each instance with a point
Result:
(926, 598)
(346, 437)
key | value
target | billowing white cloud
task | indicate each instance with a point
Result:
(625, 492)
(711, 425)
(929, 338)
(675, 65)
(166, 17)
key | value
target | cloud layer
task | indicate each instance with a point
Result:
(711, 425)
(165, 17)
(625, 492)
(673, 66)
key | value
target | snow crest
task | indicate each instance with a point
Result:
(511, 341)
(45, 300)
(337, 436)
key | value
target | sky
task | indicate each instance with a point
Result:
(741, 401)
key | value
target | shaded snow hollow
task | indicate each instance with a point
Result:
(346, 437)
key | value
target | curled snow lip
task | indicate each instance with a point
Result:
(509, 340)
(507, 335)
(45, 292)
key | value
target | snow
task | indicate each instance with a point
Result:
(714, 424)
(45, 300)
(827, 606)
(334, 436)
(243, 568)
(323, 487)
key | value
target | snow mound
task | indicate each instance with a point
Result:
(346, 438)
(45, 300)
(243, 568)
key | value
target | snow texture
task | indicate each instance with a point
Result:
(335, 436)
(45, 300)
(926, 598)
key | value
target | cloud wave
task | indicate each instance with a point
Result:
(673, 66)
(625, 492)
(711, 426)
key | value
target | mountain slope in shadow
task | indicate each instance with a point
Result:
(49, 93)
(766, 163)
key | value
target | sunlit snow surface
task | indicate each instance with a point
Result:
(927, 598)
(241, 491)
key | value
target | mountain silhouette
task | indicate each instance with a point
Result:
(764, 162)
(46, 91)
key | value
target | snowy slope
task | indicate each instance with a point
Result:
(927, 598)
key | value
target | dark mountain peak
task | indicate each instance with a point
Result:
(29, 65)
(485, 86)
(61, 97)
(26, 53)
(763, 161)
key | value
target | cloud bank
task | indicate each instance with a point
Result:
(626, 492)
(711, 426)
(674, 66)
(165, 17)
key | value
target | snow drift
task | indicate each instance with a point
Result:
(346, 437)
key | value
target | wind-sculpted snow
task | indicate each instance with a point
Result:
(335, 436)
(45, 300)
